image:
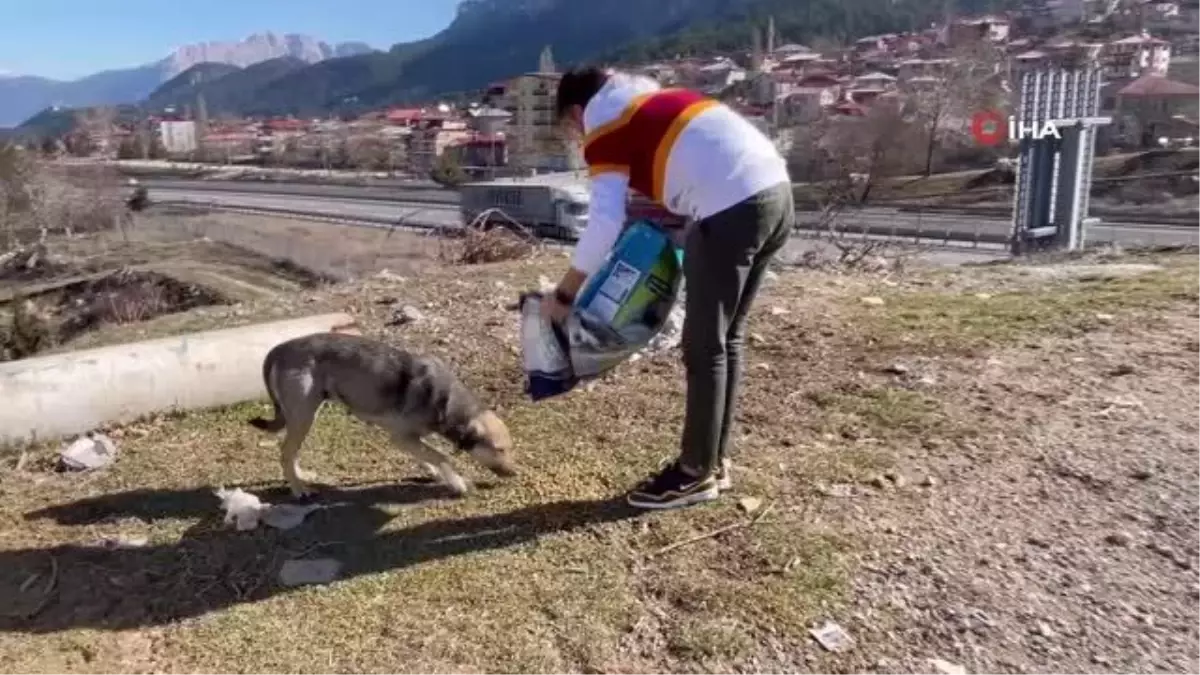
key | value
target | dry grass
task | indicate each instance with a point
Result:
(549, 571)
(478, 246)
(971, 320)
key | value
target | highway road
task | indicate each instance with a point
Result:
(422, 192)
(962, 230)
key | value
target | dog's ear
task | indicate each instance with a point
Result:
(489, 425)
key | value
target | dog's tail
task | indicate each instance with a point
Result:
(280, 421)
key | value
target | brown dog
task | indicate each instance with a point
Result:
(409, 396)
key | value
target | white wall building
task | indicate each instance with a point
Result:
(178, 137)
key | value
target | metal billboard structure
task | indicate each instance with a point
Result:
(1056, 122)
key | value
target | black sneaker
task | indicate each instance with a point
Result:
(673, 488)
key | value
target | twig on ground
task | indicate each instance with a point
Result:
(713, 533)
(47, 594)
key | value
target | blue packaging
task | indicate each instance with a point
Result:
(617, 312)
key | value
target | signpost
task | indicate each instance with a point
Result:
(1056, 130)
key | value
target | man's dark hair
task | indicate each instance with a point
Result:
(577, 87)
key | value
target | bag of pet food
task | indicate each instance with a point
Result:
(617, 313)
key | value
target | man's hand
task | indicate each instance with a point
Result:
(556, 306)
(553, 309)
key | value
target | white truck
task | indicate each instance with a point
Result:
(553, 205)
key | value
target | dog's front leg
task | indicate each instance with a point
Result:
(434, 461)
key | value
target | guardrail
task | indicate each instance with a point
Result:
(917, 233)
(1189, 220)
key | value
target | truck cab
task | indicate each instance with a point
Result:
(554, 206)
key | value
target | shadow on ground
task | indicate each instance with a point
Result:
(212, 567)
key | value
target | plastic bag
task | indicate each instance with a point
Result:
(618, 312)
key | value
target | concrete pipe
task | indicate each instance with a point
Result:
(64, 394)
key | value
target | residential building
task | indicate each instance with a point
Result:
(481, 153)
(1136, 55)
(992, 29)
(910, 69)
(717, 75)
(178, 136)
(488, 119)
(805, 104)
(534, 140)
(1163, 11)
(1152, 107)
(432, 136)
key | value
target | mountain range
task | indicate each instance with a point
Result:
(488, 40)
(22, 96)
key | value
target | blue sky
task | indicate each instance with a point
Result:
(65, 39)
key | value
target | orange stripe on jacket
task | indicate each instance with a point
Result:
(639, 142)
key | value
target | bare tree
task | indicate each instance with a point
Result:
(971, 81)
(97, 125)
(368, 151)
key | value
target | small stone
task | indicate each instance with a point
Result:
(872, 301)
(406, 315)
(896, 369)
(943, 667)
(311, 571)
(929, 481)
(880, 481)
(388, 275)
(756, 339)
(1122, 370)
(1043, 629)
(839, 490)
(749, 504)
(1105, 318)
(983, 296)
(770, 276)
(779, 311)
(1122, 539)
(1162, 549)
(832, 637)
(1142, 473)
(898, 479)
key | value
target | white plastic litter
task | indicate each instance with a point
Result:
(671, 334)
(89, 452)
(832, 637)
(242, 509)
(246, 511)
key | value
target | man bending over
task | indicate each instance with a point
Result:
(698, 159)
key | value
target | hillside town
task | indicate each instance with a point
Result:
(935, 78)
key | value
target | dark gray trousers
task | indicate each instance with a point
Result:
(725, 260)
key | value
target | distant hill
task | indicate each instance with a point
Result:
(182, 88)
(57, 122)
(257, 48)
(227, 89)
(24, 96)
(490, 40)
